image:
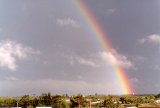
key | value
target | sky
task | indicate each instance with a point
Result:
(47, 46)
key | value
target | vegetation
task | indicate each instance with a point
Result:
(78, 101)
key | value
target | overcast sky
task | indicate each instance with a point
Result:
(46, 46)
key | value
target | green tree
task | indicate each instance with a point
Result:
(123, 100)
(45, 99)
(108, 103)
(79, 101)
(35, 102)
(24, 101)
(59, 101)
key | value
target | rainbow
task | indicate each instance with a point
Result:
(104, 42)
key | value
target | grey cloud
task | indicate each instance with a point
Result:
(154, 38)
(55, 86)
(56, 28)
(111, 11)
(156, 67)
(68, 22)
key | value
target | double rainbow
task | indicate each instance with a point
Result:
(95, 28)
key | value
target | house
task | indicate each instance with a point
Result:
(157, 101)
(43, 107)
(131, 107)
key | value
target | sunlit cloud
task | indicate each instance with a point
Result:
(84, 61)
(76, 59)
(115, 59)
(11, 52)
(101, 59)
(68, 22)
(154, 38)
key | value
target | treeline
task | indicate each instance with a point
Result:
(80, 101)
(26, 101)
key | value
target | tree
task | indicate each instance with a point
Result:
(123, 100)
(78, 100)
(35, 102)
(59, 101)
(108, 103)
(45, 99)
(157, 96)
(24, 101)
